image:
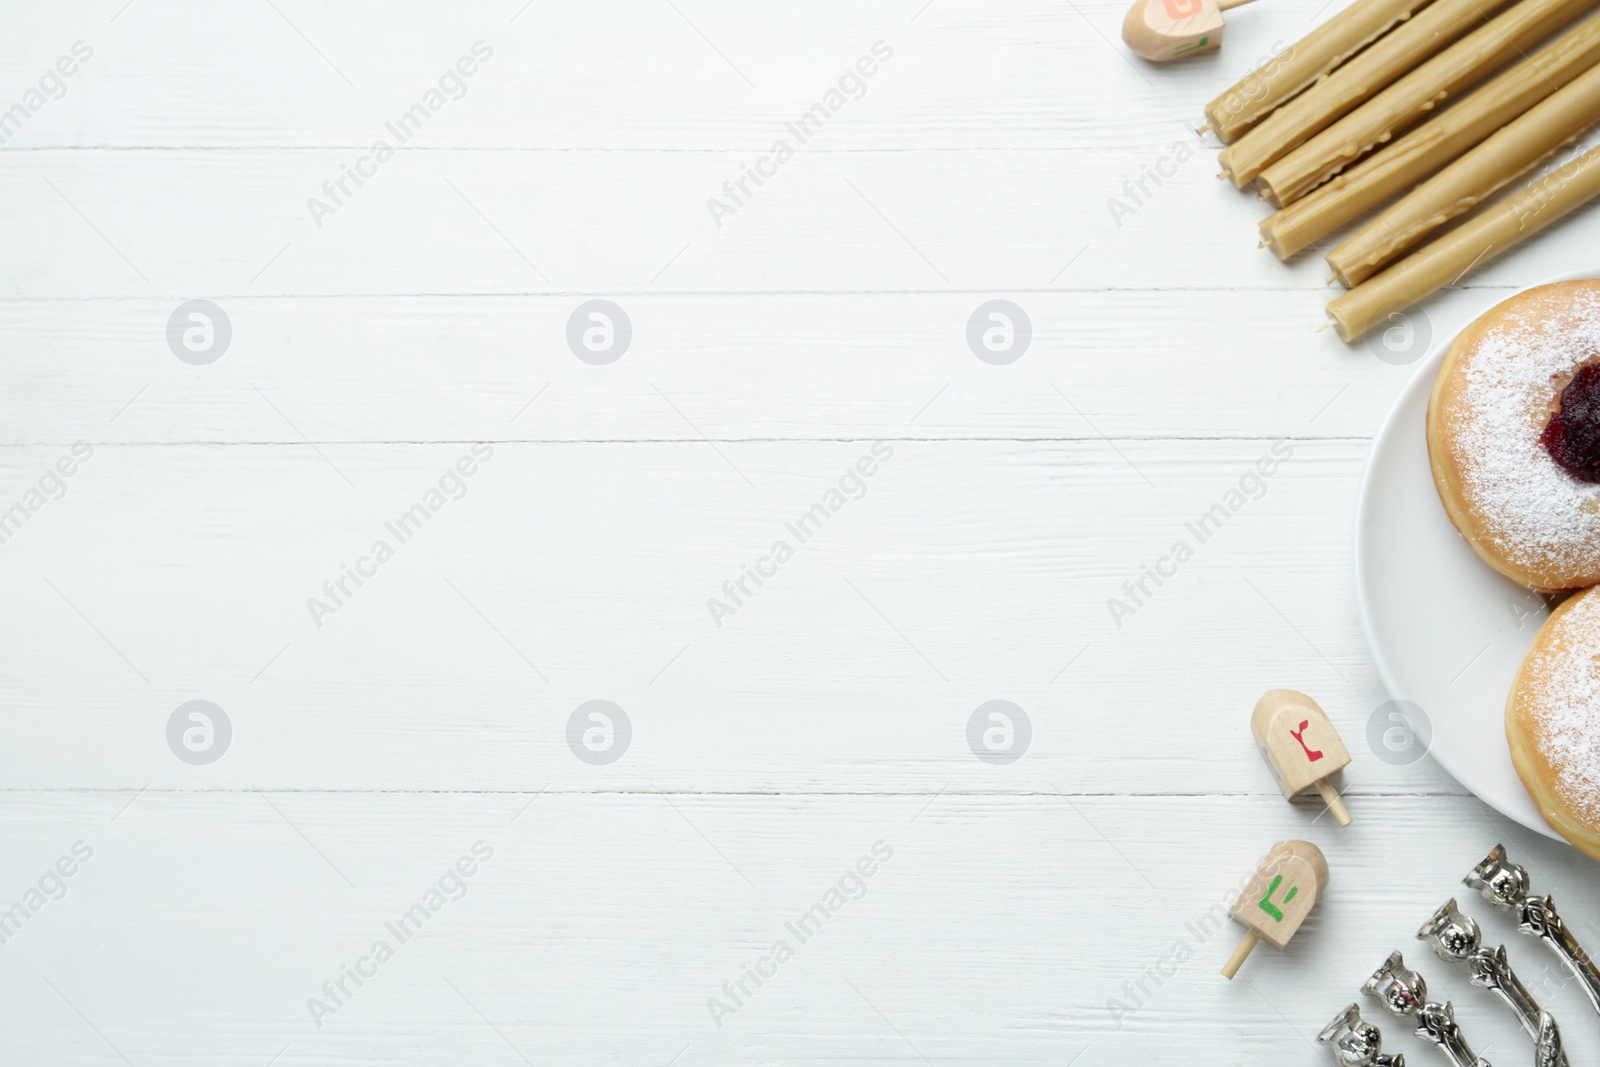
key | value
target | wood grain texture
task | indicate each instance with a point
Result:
(595, 562)
(1029, 908)
(603, 924)
(466, 222)
(731, 367)
(625, 76)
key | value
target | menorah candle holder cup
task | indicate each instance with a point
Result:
(1456, 938)
(1505, 885)
(1404, 992)
(1356, 1042)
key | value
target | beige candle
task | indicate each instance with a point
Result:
(1458, 67)
(1308, 59)
(1469, 181)
(1389, 57)
(1472, 244)
(1423, 151)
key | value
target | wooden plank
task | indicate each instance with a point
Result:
(986, 224)
(602, 925)
(808, 367)
(708, 75)
(956, 574)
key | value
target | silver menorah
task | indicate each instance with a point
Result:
(1403, 991)
(1456, 938)
(1505, 885)
(1356, 1042)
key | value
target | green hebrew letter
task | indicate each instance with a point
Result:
(1265, 903)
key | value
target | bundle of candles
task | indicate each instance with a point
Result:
(1355, 114)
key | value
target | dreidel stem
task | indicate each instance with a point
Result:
(1330, 796)
(1247, 944)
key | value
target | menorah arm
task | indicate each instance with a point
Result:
(1489, 969)
(1437, 1023)
(1538, 916)
(1547, 1044)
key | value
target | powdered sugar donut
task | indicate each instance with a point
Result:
(1514, 436)
(1553, 721)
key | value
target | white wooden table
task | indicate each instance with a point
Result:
(1041, 911)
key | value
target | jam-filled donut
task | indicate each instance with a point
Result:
(1514, 436)
(1553, 721)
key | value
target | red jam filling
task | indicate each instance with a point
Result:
(1572, 436)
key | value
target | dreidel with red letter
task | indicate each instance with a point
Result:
(1279, 896)
(1300, 746)
(1159, 30)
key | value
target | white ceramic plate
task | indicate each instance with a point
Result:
(1448, 633)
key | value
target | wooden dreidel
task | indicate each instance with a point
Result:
(1159, 30)
(1279, 896)
(1300, 746)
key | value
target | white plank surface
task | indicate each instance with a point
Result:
(374, 745)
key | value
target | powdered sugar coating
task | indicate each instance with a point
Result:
(1563, 706)
(1536, 514)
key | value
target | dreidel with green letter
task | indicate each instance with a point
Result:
(1300, 746)
(1279, 897)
